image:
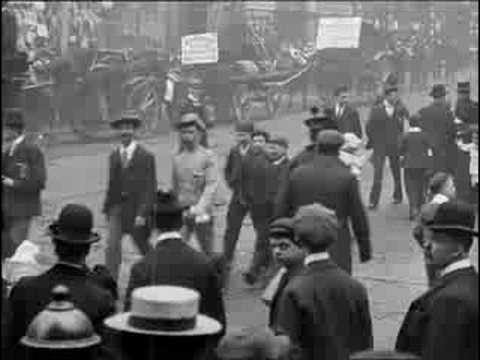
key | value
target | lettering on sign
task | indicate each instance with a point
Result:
(200, 49)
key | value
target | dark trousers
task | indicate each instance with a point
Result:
(462, 176)
(378, 159)
(15, 230)
(237, 210)
(203, 232)
(415, 182)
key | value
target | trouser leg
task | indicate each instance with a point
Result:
(235, 215)
(205, 236)
(378, 162)
(19, 227)
(409, 179)
(113, 251)
(394, 160)
(262, 257)
(141, 237)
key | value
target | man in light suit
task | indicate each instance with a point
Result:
(131, 187)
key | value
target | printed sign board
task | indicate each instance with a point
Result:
(339, 32)
(259, 5)
(200, 49)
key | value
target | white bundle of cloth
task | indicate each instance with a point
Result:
(22, 263)
(354, 154)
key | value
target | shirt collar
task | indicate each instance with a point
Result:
(387, 104)
(130, 149)
(168, 235)
(321, 256)
(457, 265)
(414, 129)
(243, 149)
(439, 199)
(279, 161)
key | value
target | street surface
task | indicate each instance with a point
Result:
(394, 277)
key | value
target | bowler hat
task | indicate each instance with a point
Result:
(245, 127)
(318, 115)
(14, 118)
(279, 140)
(164, 311)
(453, 215)
(127, 117)
(463, 87)
(281, 226)
(317, 224)
(74, 226)
(438, 90)
(166, 203)
(191, 119)
(330, 138)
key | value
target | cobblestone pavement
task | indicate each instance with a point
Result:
(394, 277)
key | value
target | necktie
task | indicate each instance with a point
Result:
(124, 157)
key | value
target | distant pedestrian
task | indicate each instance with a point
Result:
(442, 324)
(384, 129)
(472, 150)
(345, 115)
(260, 138)
(416, 152)
(323, 310)
(132, 181)
(23, 179)
(195, 181)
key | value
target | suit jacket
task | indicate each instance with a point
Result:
(173, 262)
(33, 293)
(438, 123)
(414, 147)
(235, 168)
(330, 182)
(133, 187)
(383, 131)
(443, 323)
(326, 313)
(26, 166)
(349, 121)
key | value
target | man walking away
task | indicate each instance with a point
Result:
(132, 181)
(324, 310)
(23, 179)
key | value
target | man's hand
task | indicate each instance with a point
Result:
(7, 181)
(140, 221)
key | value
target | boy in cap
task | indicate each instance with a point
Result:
(443, 323)
(23, 179)
(323, 310)
(195, 181)
(132, 181)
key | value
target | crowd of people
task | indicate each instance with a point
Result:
(305, 212)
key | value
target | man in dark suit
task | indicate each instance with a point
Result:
(437, 121)
(329, 181)
(443, 323)
(174, 262)
(346, 116)
(131, 187)
(23, 179)
(415, 151)
(323, 310)
(91, 291)
(384, 129)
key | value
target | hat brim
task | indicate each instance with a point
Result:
(198, 125)
(465, 229)
(438, 93)
(204, 326)
(134, 121)
(90, 239)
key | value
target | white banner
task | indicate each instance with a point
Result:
(338, 32)
(200, 49)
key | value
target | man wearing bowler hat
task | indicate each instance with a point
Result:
(443, 323)
(93, 292)
(132, 182)
(23, 179)
(437, 121)
(323, 310)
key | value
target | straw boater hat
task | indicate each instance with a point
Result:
(127, 117)
(164, 311)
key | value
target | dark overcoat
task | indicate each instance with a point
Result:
(235, 170)
(383, 131)
(33, 293)
(327, 180)
(326, 313)
(414, 147)
(437, 121)
(349, 121)
(175, 263)
(442, 324)
(133, 187)
(26, 166)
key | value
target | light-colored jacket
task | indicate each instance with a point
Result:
(195, 179)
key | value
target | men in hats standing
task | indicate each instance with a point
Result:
(93, 292)
(323, 310)
(345, 115)
(132, 182)
(173, 262)
(165, 322)
(466, 115)
(195, 181)
(23, 179)
(384, 129)
(443, 323)
(437, 121)
(329, 181)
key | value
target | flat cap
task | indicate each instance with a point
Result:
(279, 140)
(189, 119)
(330, 138)
(281, 226)
(316, 224)
(244, 126)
